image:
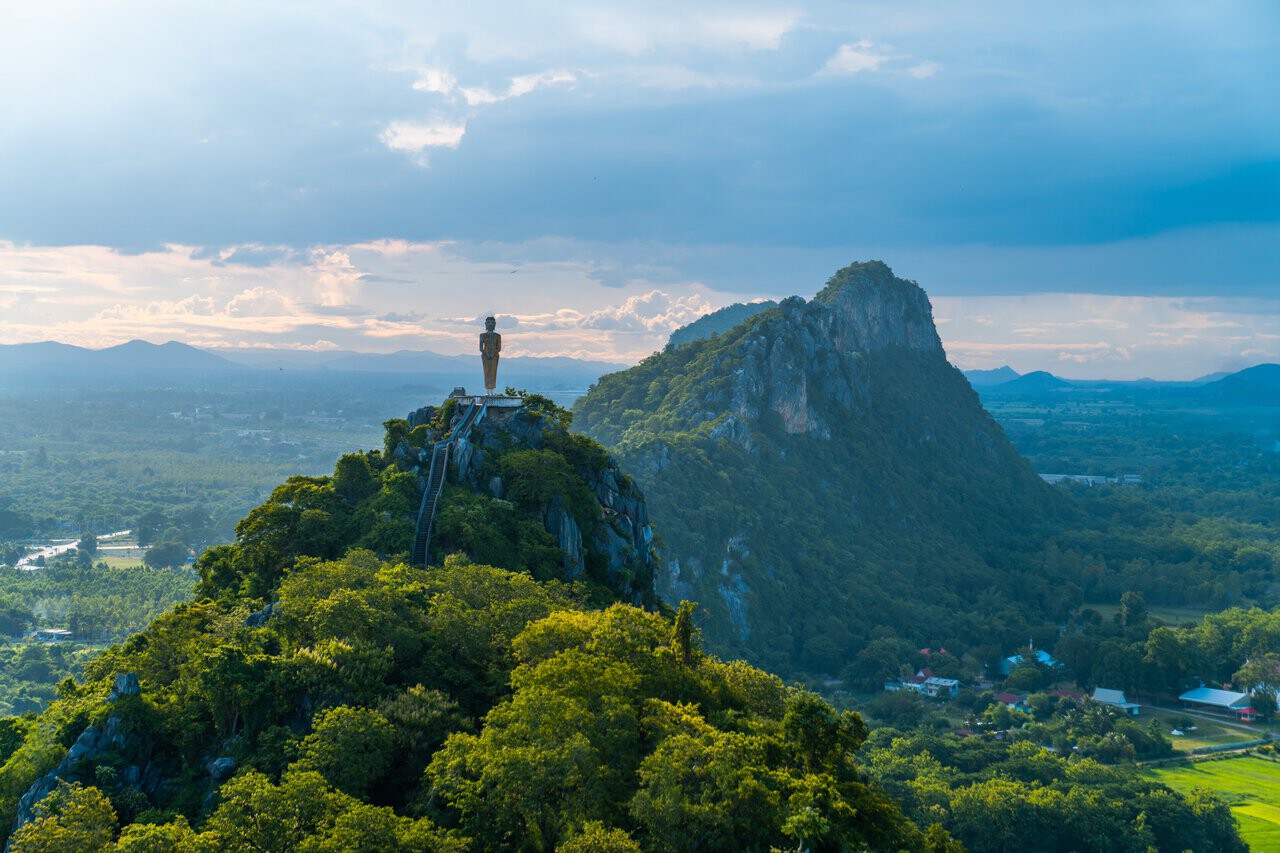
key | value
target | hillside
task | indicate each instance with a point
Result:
(717, 322)
(325, 696)
(995, 376)
(820, 476)
(1037, 381)
(1255, 386)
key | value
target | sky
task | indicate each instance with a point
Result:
(1087, 188)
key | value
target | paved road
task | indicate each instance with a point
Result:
(28, 562)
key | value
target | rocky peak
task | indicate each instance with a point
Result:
(804, 351)
(874, 310)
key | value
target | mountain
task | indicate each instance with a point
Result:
(533, 371)
(1258, 386)
(995, 376)
(820, 475)
(717, 322)
(136, 356)
(1036, 381)
(323, 695)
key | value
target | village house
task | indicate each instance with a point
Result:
(1116, 699)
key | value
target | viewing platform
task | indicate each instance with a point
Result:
(491, 401)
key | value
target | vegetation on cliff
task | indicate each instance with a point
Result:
(821, 476)
(375, 705)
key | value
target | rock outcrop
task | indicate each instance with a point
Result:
(618, 537)
(112, 735)
(817, 467)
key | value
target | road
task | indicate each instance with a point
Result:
(28, 563)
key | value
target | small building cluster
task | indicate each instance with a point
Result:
(926, 683)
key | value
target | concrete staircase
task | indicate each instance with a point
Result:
(439, 471)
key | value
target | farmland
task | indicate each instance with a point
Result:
(1250, 784)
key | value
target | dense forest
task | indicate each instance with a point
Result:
(373, 705)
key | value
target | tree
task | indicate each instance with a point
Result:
(1133, 609)
(166, 555)
(1261, 677)
(683, 634)
(156, 838)
(88, 544)
(71, 817)
(350, 747)
(595, 837)
(353, 478)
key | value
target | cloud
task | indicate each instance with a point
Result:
(413, 137)
(654, 311)
(853, 58)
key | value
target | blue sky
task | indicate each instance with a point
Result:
(369, 175)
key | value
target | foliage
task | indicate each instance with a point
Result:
(996, 796)
(72, 817)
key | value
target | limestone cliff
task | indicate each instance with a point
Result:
(817, 469)
(524, 459)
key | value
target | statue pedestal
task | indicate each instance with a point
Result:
(493, 401)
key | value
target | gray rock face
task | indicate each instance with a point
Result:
(221, 768)
(803, 347)
(561, 524)
(621, 532)
(92, 744)
(260, 617)
(125, 684)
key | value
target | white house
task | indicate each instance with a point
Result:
(940, 688)
(1116, 699)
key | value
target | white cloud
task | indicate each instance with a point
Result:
(259, 302)
(858, 56)
(413, 137)
(435, 80)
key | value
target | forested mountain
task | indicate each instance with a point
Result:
(1258, 385)
(718, 322)
(822, 476)
(324, 696)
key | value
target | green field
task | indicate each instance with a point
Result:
(1170, 615)
(1207, 732)
(1250, 784)
(118, 561)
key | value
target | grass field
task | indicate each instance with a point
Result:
(1207, 732)
(1250, 784)
(1171, 615)
(118, 561)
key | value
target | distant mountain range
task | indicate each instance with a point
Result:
(1257, 385)
(133, 356)
(1254, 386)
(996, 376)
(175, 356)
